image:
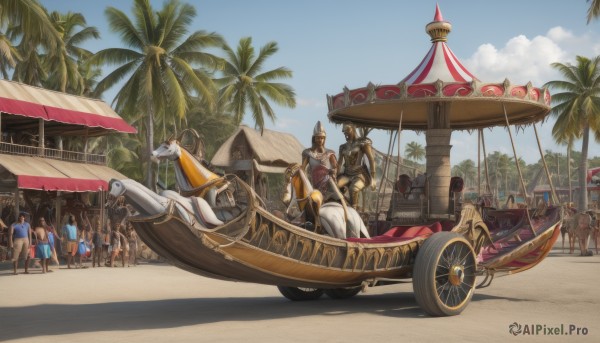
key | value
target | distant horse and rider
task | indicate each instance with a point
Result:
(580, 227)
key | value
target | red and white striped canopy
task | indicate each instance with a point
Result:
(440, 63)
(440, 80)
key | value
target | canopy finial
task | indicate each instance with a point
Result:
(438, 29)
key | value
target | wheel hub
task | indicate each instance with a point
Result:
(457, 275)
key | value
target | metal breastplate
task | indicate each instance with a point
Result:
(353, 155)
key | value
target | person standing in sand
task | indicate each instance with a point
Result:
(97, 242)
(133, 244)
(70, 234)
(115, 244)
(19, 239)
(42, 248)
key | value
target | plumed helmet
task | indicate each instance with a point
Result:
(319, 130)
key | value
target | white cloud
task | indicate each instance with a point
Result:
(521, 60)
(559, 34)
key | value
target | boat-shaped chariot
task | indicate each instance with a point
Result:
(219, 228)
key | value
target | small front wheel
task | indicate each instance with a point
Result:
(342, 293)
(300, 293)
(444, 274)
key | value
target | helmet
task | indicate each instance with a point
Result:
(319, 130)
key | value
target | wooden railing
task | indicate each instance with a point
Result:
(63, 155)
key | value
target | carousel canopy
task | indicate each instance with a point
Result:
(440, 83)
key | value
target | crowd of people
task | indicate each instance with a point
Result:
(77, 244)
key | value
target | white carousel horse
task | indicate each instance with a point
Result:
(148, 203)
(331, 215)
(191, 174)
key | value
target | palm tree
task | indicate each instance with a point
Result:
(27, 29)
(577, 109)
(24, 21)
(467, 170)
(414, 151)
(162, 63)
(8, 55)
(245, 85)
(215, 126)
(90, 74)
(594, 10)
(122, 155)
(64, 67)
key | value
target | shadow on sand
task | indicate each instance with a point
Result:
(58, 319)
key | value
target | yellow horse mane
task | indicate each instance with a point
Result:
(197, 174)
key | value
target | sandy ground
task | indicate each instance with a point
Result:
(160, 303)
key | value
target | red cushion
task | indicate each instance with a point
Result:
(401, 233)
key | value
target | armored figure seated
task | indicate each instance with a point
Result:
(321, 162)
(352, 173)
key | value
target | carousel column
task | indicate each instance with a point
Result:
(438, 159)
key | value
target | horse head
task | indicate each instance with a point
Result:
(117, 189)
(169, 149)
(192, 174)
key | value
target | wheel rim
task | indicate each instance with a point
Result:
(455, 274)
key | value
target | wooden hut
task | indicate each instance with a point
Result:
(252, 156)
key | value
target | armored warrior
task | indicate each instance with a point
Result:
(354, 174)
(321, 162)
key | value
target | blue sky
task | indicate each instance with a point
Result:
(335, 43)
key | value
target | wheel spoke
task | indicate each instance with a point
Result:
(455, 254)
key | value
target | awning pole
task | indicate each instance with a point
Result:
(552, 189)
(485, 163)
(42, 137)
(478, 162)
(399, 157)
(512, 143)
(17, 199)
(383, 178)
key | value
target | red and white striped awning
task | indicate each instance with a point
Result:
(31, 172)
(28, 101)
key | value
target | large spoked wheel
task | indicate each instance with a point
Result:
(342, 293)
(300, 294)
(444, 274)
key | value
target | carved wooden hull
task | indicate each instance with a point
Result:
(259, 247)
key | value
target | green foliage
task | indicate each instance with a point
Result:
(414, 151)
(577, 109)
(245, 86)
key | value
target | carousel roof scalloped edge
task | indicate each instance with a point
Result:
(439, 62)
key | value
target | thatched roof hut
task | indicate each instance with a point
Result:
(252, 155)
(270, 152)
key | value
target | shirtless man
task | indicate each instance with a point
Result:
(43, 251)
(351, 171)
